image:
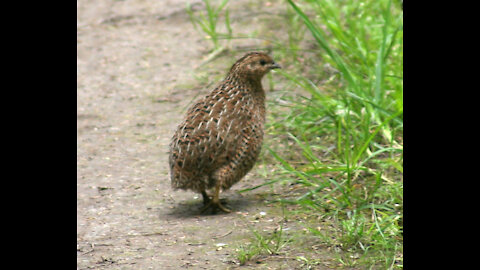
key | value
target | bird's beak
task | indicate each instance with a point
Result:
(275, 65)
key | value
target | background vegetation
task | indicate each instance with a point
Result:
(335, 129)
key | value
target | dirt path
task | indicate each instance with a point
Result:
(132, 58)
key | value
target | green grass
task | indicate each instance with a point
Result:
(263, 244)
(207, 22)
(349, 130)
(338, 131)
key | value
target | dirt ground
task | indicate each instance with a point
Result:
(132, 59)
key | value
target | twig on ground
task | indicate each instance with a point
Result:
(223, 235)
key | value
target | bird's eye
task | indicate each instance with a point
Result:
(262, 62)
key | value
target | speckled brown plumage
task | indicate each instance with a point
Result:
(220, 139)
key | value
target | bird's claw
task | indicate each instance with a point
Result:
(214, 206)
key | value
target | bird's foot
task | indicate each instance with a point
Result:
(207, 199)
(215, 206)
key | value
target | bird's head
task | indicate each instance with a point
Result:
(254, 65)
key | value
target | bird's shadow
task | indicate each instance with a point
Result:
(235, 201)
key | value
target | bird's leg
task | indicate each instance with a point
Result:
(206, 199)
(215, 201)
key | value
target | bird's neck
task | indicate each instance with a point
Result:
(246, 81)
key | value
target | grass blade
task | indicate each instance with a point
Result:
(317, 34)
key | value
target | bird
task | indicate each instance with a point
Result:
(221, 136)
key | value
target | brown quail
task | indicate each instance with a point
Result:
(220, 139)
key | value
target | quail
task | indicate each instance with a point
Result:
(221, 136)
